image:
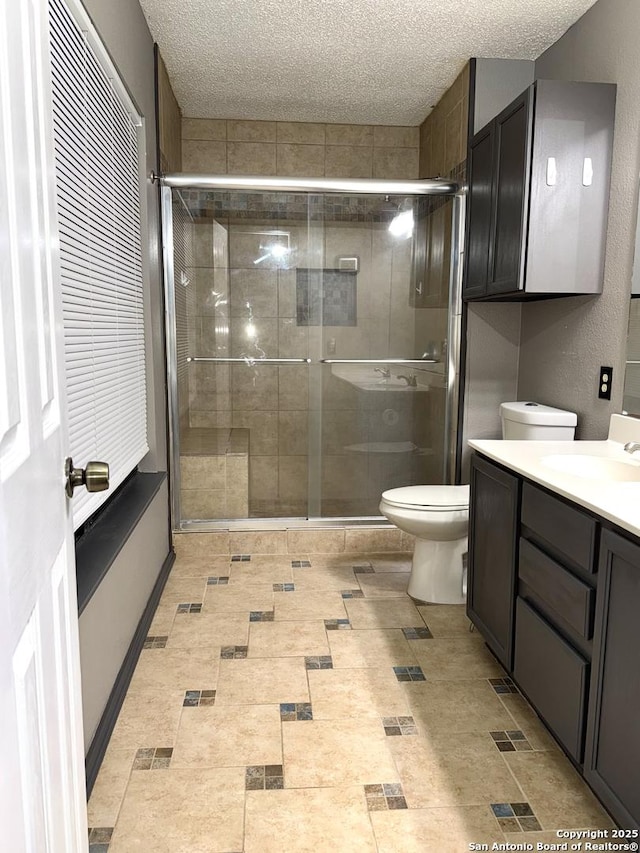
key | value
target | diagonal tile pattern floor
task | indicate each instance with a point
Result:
(324, 723)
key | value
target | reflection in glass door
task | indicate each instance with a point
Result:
(382, 409)
(307, 342)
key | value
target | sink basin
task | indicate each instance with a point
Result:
(386, 385)
(595, 467)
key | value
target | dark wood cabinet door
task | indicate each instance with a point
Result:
(493, 544)
(613, 733)
(479, 216)
(512, 153)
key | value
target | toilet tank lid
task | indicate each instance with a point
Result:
(525, 412)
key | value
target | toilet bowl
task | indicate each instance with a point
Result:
(438, 516)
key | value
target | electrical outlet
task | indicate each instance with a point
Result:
(604, 385)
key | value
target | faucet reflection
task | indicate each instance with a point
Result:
(411, 381)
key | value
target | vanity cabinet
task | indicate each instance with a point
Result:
(493, 530)
(613, 735)
(539, 194)
(555, 592)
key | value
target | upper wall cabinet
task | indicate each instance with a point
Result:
(539, 194)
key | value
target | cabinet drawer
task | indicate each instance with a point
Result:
(564, 530)
(566, 600)
(553, 676)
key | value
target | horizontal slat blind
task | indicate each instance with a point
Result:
(98, 197)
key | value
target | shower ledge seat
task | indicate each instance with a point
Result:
(214, 473)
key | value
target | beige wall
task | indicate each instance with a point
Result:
(565, 341)
(299, 149)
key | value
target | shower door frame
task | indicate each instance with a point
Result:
(429, 186)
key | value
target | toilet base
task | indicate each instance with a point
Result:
(437, 572)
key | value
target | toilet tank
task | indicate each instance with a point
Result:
(534, 422)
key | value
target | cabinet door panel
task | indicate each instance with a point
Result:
(613, 738)
(493, 532)
(479, 213)
(568, 221)
(512, 153)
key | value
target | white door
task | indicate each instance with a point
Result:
(42, 803)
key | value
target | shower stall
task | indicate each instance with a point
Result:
(313, 338)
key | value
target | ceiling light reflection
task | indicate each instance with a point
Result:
(276, 252)
(402, 224)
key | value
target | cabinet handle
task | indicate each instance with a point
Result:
(587, 172)
(552, 172)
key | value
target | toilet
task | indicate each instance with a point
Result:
(438, 516)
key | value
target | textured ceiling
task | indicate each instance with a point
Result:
(346, 61)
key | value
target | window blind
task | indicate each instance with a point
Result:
(96, 137)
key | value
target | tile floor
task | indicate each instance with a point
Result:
(307, 704)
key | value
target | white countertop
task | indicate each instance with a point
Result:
(619, 502)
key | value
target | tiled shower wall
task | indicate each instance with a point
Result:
(213, 463)
(169, 122)
(272, 402)
(257, 315)
(299, 149)
(443, 134)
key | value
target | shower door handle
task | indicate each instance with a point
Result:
(378, 361)
(249, 360)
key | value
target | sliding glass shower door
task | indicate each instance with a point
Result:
(382, 347)
(307, 339)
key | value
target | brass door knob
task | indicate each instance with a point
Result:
(95, 476)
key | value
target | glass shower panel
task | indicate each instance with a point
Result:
(385, 290)
(243, 373)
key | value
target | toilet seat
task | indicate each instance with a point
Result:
(428, 498)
